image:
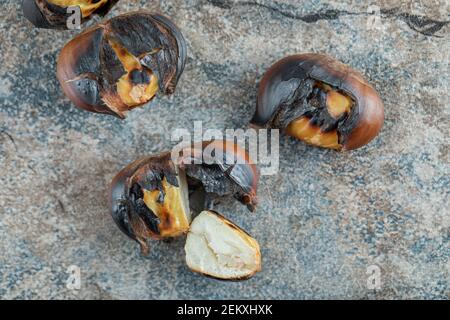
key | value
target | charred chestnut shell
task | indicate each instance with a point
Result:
(151, 197)
(148, 199)
(52, 14)
(231, 174)
(122, 63)
(319, 100)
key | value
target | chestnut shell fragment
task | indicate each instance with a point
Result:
(234, 175)
(122, 63)
(293, 95)
(47, 15)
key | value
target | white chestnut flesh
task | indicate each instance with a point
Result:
(218, 248)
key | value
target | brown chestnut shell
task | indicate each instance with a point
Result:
(122, 63)
(47, 15)
(292, 90)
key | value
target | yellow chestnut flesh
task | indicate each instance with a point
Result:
(302, 129)
(172, 212)
(337, 103)
(134, 93)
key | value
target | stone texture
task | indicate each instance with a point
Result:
(322, 220)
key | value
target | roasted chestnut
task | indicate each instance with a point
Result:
(122, 63)
(53, 14)
(319, 100)
(217, 248)
(150, 198)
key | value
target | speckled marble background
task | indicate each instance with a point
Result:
(322, 220)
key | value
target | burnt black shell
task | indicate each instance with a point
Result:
(127, 209)
(222, 178)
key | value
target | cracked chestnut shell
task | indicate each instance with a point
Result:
(52, 14)
(151, 198)
(217, 177)
(319, 100)
(122, 63)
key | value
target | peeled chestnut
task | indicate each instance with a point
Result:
(122, 63)
(320, 101)
(218, 248)
(53, 14)
(151, 197)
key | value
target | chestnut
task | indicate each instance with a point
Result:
(217, 248)
(151, 197)
(52, 14)
(319, 100)
(122, 63)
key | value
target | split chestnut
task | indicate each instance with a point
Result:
(153, 197)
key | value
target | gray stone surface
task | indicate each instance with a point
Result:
(322, 220)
